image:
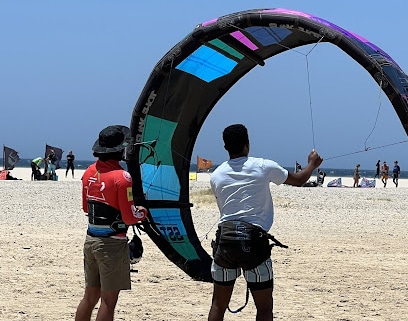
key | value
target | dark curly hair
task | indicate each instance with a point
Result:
(235, 138)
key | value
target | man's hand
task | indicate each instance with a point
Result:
(139, 212)
(314, 159)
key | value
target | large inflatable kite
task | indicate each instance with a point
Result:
(187, 83)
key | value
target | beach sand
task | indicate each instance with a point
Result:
(347, 256)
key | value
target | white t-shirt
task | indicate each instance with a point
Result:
(241, 186)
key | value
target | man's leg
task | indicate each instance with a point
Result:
(53, 173)
(220, 300)
(33, 170)
(108, 304)
(264, 304)
(87, 304)
(260, 283)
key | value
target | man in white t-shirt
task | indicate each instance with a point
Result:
(241, 187)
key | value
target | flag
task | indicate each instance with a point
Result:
(58, 154)
(10, 157)
(203, 165)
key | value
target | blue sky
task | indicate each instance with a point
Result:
(70, 68)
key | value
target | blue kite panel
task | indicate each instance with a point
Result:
(207, 64)
(160, 182)
(268, 36)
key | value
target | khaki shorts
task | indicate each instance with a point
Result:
(107, 263)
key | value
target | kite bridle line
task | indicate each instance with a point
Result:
(367, 149)
(310, 92)
(308, 77)
(378, 110)
(380, 84)
(308, 83)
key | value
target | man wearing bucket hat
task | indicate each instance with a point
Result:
(107, 199)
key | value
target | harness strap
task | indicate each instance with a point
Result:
(275, 241)
(105, 216)
(94, 235)
(246, 302)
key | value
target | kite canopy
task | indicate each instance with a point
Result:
(186, 84)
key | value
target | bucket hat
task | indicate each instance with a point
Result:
(112, 139)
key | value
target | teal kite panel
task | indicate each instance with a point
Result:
(157, 137)
(223, 46)
(170, 225)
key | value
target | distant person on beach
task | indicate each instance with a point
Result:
(70, 163)
(384, 173)
(107, 200)
(320, 177)
(377, 170)
(51, 159)
(298, 167)
(35, 168)
(396, 171)
(241, 188)
(356, 175)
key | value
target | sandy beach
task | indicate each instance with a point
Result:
(347, 256)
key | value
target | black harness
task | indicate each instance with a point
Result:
(240, 244)
(105, 215)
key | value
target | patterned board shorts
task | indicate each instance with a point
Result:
(260, 277)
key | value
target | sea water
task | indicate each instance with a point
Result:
(79, 164)
(334, 172)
